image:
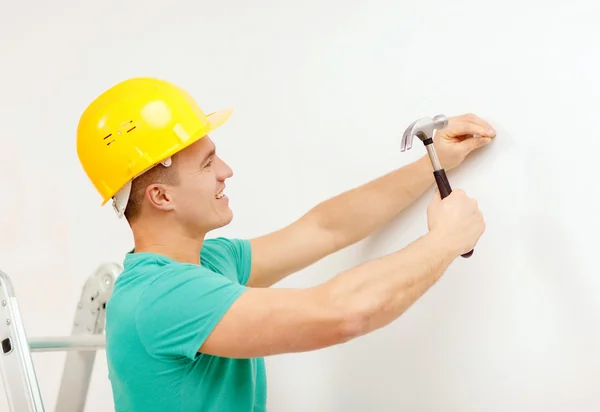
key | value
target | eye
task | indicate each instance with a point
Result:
(209, 163)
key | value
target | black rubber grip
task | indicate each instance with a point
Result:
(442, 183)
(445, 189)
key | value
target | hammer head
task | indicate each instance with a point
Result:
(423, 128)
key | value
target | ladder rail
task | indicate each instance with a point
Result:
(18, 372)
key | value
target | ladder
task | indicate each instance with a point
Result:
(87, 336)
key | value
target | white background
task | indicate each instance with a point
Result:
(322, 92)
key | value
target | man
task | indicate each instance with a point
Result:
(191, 319)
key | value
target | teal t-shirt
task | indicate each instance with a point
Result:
(158, 316)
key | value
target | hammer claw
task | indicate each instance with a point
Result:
(407, 138)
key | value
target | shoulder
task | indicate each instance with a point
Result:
(180, 273)
(229, 256)
(224, 247)
(181, 283)
(179, 309)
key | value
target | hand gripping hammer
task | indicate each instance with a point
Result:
(424, 128)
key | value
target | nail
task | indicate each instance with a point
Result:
(490, 132)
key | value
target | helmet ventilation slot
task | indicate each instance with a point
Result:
(109, 141)
(129, 123)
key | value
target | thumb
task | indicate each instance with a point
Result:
(473, 143)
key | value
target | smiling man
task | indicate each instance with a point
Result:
(191, 319)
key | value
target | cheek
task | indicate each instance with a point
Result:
(198, 192)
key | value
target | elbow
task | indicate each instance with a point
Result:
(350, 322)
(352, 326)
(340, 320)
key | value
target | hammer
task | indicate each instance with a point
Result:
(424, 129)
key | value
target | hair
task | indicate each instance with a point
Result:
(158, 174)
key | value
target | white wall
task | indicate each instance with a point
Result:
(323, 92)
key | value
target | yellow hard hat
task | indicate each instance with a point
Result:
(134, 126)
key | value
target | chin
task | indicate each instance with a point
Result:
(225, 219)
(229, 218)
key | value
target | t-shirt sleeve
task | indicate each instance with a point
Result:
(237, 251)
(179, 310)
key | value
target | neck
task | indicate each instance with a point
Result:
(168, 242)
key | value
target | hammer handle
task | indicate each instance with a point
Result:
(445, 189)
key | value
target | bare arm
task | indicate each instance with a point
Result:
(353, 215)
(337, 223)
(266, 322)
(271, 321)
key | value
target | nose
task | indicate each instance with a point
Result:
(223, 170)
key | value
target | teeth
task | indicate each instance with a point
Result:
(220, 195)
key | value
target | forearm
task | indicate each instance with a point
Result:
(353, 215)
(379, 291)
(336, 223)
(351, 304)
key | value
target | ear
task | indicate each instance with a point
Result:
(159, 197)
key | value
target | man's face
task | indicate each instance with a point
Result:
(200, 203)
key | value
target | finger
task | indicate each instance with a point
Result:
(466, 128)
(473, 143)
(473, 118)
(486, 128)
